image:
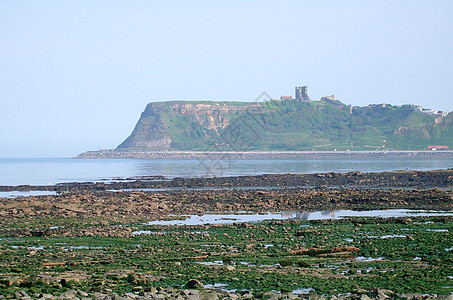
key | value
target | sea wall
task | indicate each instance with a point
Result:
(109, 154)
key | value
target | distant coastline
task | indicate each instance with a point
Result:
(141, 154)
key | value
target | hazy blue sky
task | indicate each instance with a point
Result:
(75, 75)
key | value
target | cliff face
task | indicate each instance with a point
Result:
(150, 132)
(285, 125)
(170, 125)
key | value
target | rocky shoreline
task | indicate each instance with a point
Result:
(95, 240)
(137, 206)
(399, 179)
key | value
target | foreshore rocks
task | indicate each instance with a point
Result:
(398, 179)
(90, 242)
(150, 293)
(135, 206)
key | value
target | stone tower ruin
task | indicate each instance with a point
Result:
(302, 93)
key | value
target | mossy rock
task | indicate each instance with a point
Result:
(194, 284)
(303, 264)
(286, 263)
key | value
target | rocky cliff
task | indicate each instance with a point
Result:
(286, 125)
(182, 124)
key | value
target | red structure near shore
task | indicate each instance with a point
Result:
(434, 148)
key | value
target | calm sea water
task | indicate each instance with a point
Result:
(35, 171)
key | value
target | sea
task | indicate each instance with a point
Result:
(50, 171)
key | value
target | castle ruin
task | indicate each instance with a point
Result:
(302, 94)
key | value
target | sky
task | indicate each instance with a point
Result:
(75, 75)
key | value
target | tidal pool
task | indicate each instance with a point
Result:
(211, 263)
(316, 215)
(15, 194)
(391, 236)
(86, 247)
(272, 187)
(215, 286)
(28, 247)
(368, 259)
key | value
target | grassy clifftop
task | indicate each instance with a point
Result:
(285, 125)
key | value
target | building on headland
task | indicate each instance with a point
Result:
(428, 111)
(436, 148)
(302, 94)
(286, 98)
(417, 108)
(326, 98)
(382, 105)
(433, 112)
(331, 99)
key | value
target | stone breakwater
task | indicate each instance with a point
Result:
(115, 154)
